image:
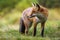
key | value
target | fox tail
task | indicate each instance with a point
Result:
(22, 26)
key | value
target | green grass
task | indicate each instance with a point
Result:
(52, 32)
(10, 35)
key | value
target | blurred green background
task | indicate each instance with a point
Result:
(11, 11)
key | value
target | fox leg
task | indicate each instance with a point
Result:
(34, 25)
(26, 23)
(42, 29)
(26, 29)
(34, 32)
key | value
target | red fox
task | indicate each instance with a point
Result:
(35, 14)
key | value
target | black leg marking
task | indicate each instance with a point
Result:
(34, 32)
(42, 29)
(42, 32)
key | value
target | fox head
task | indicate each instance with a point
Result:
(36, 8)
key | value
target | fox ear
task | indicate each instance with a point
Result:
(33, 4)
(37, 5)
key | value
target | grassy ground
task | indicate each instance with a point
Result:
(52, 32)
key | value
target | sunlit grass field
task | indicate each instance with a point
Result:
(9, 27)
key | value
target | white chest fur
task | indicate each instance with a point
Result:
(37, 19)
